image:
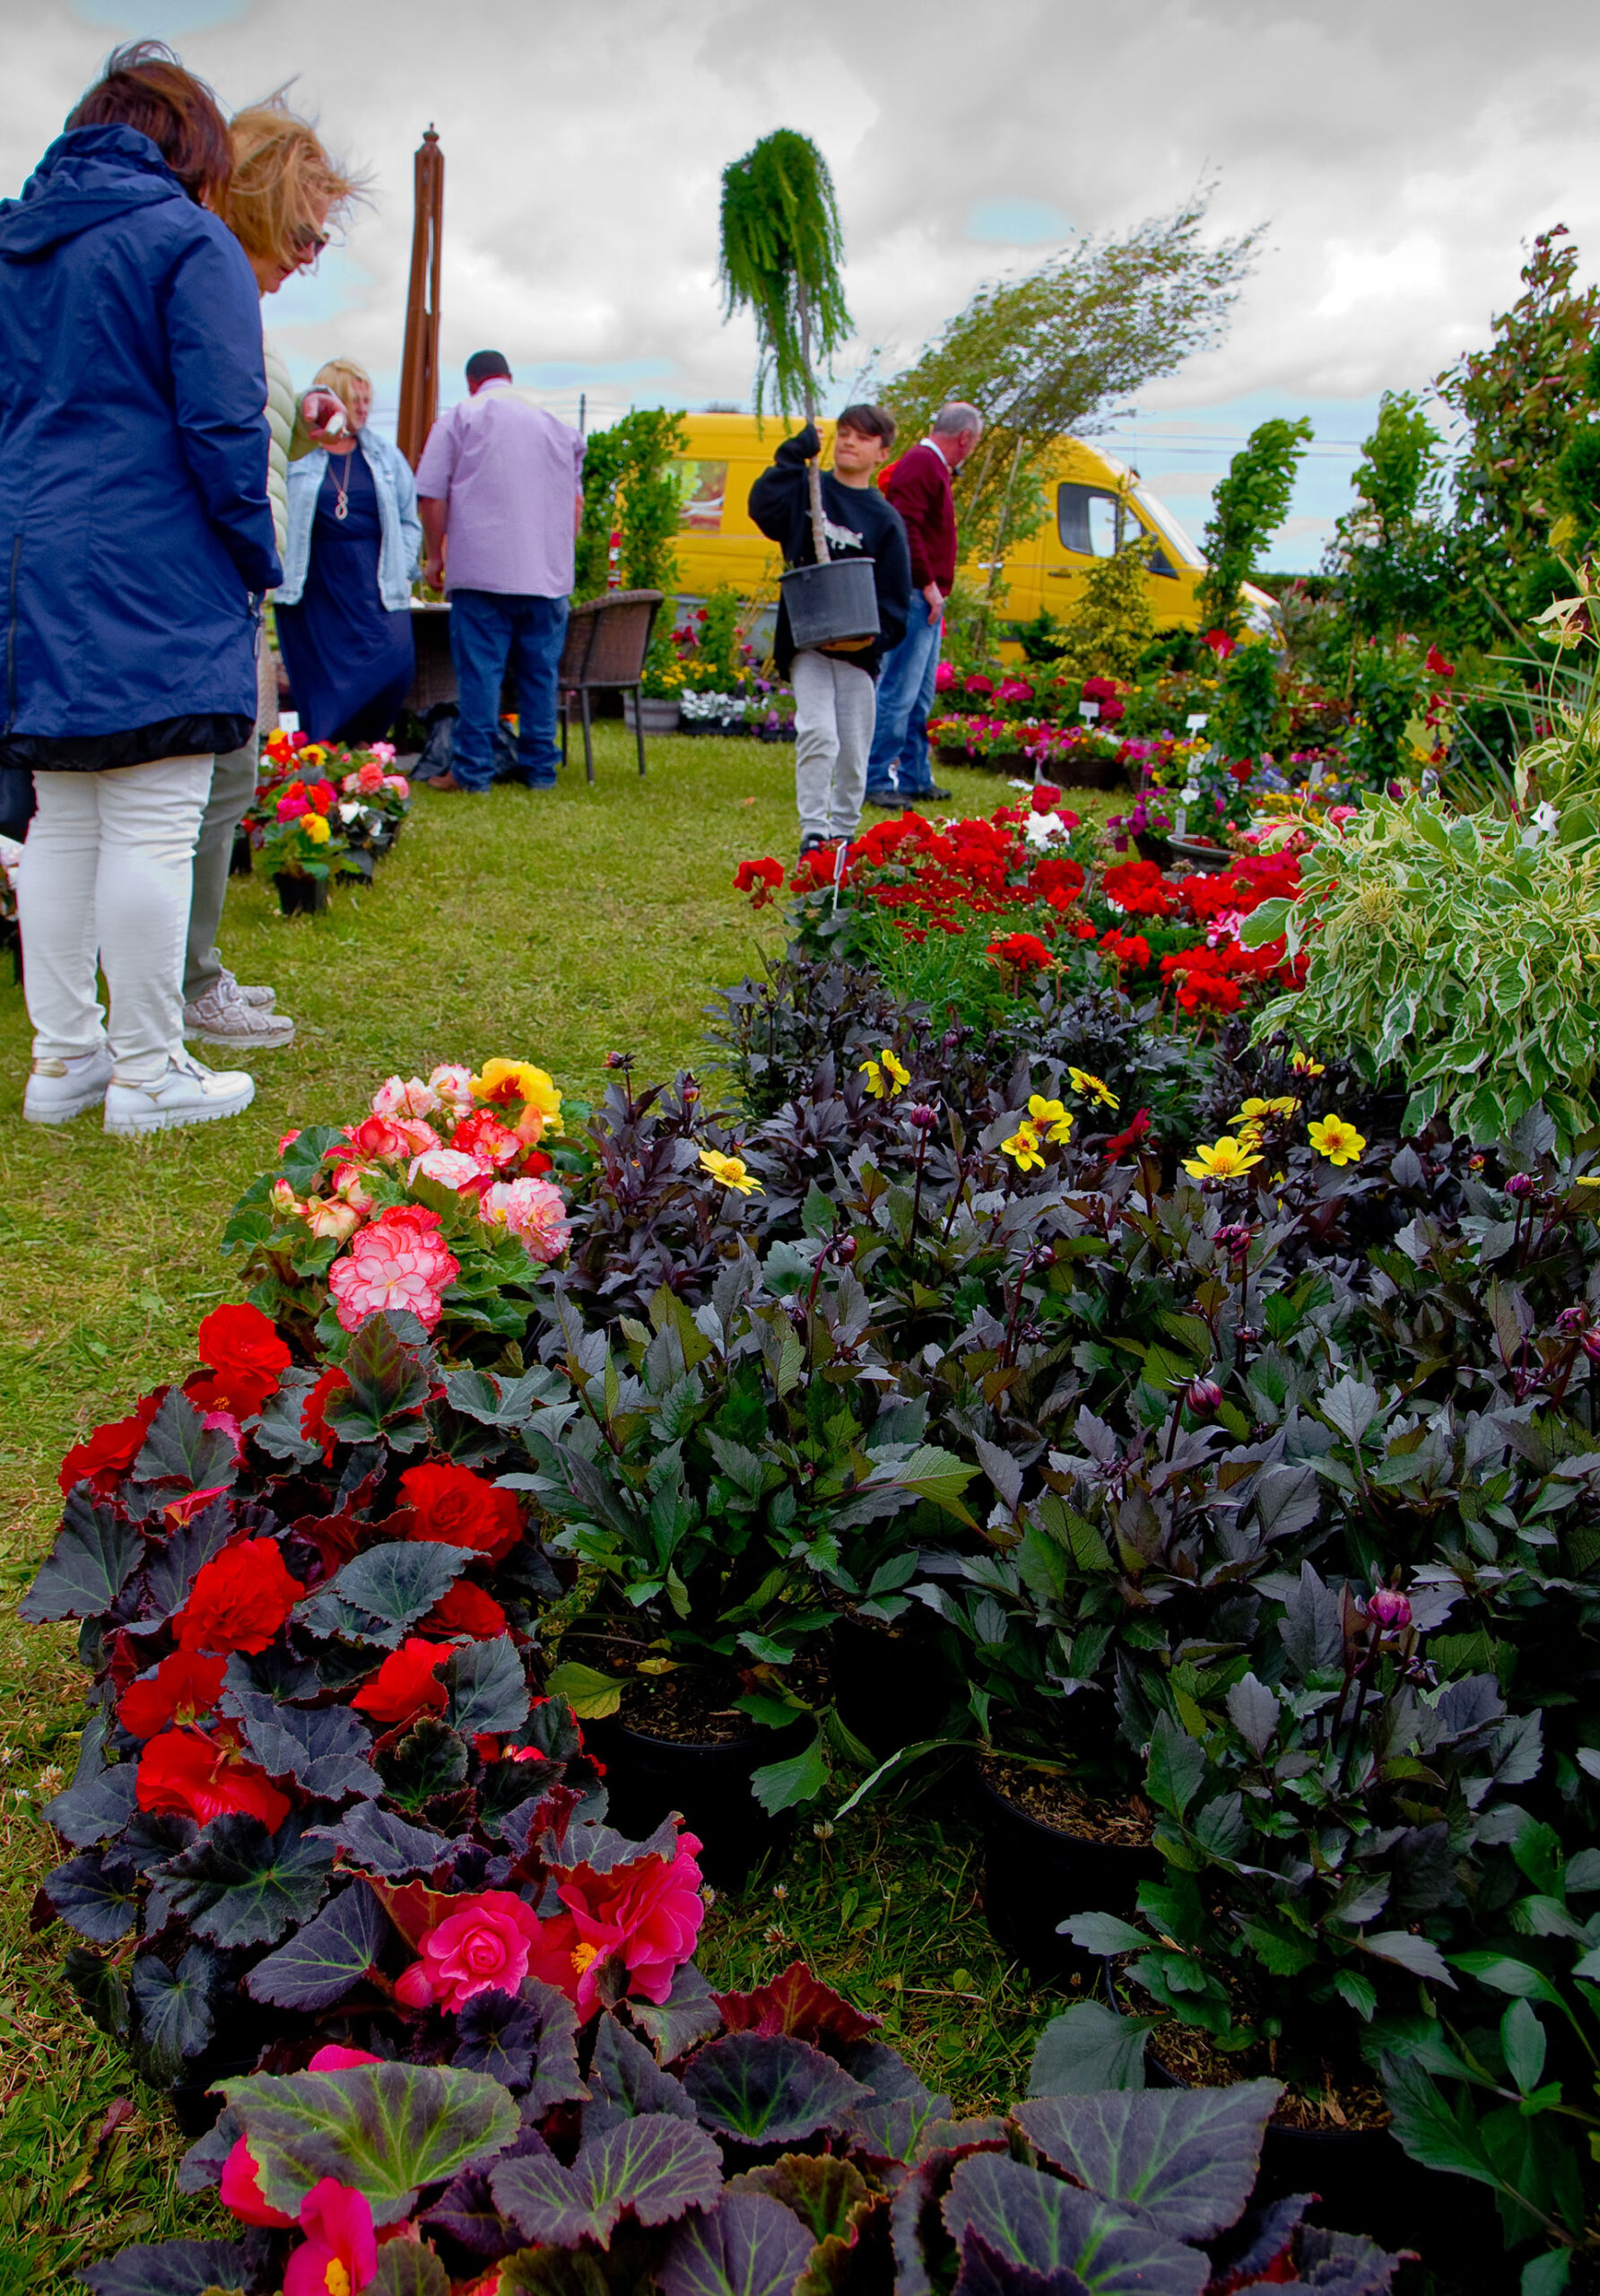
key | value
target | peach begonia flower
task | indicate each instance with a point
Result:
(398, 783)
(450, 1166)
(285, 1202)
(454, 1085)
(385, 1136)
(350, 1184)
(331, 1218)
(409, 1097)
(533, 1211)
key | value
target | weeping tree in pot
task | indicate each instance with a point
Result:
(781, 249)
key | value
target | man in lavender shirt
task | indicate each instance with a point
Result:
(501, 481)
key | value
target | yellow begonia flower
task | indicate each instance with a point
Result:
(1094, 1087)
(1304, 1066)
(886, 1076)
(1224, 1160)
(504, 1081)
(1049, 1119)
(1339, 1142)
(1254, 1110)
(1023, 1148)
(730, 1171)
(312, 754)
(314, 827)
(1587, 1179)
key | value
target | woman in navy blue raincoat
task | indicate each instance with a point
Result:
(136, 543)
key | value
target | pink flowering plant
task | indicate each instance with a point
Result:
(439, 1203)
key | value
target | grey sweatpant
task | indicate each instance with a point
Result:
(232, 787)
(833, 733)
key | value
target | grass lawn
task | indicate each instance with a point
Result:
(556, 928)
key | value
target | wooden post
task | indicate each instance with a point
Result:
(419, 363)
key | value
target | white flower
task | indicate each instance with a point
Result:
(1545, 818)
(1189, 794)
(349, 811)
(1038, 829)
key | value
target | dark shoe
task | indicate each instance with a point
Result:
(885, 801)
(545, 786)
(932, 794)
(809, 844)
(449, 786)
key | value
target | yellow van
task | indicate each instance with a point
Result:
(1097, 504)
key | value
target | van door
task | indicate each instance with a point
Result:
(1096, 522)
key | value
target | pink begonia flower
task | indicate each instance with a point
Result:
(534, 1211)
(331, 1219)
(943, 678)
(339, 2254)
(485, 1136)
(369, 778)
(454, 1085)
(383, 752)
(385, 1136)
(350, 1184)
(334, 2058)
(398, 783)
(395, 1097)
(646, 1914)
(399, 1261)
(285, 1201)
(290, 809)
(483, 1946)
(240, 2189)
(452, 1168)
(288, 1139)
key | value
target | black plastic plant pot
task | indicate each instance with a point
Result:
(300, 896)
(708, 1782)
(893, 1686)
(1208, 860)
(1035, 1877)
(362, 860)
(241, 859)
(826, 603)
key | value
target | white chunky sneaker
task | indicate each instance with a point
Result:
(187, 1094)
(59, 1089)
(262, 997)
(224, 1016)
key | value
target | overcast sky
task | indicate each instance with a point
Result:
(1400, 152)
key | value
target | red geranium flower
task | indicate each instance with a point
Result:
(1220, 644)
(1126, 948)
(466, 1609)
(760, 878)
(240, 1599)
(406, 1685)
(456, 1507)
(186, 1774)
(314, 1426)
(183, 1688)
(1437, 665)
(109, 1454)
(1025, 950)
(247, 1360)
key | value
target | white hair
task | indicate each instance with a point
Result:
(956, 417)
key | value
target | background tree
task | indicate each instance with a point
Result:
(630, 488)
(1249, 506)
(1389, 552)
(781, 249)
(1052, 352)
(1520, 402)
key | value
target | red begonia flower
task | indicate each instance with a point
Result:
(106, 1456)
(240, 1599)
(183, 1687)
(406, 1685)
(453, 1507)
(189, 1774)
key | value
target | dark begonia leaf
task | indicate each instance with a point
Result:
(687, 2015)
(152, 1837)
(88, 1566)
(1089, 2048)
(386, 2128)
(167, 2268)
(656, 2167)
(388, 1380)
(180, 1448)
(751, 2247)
(169, 1572)
(553, 2272)
(487, 1687)
(321, 1963)
(1185, 2159)
(428, 1761)
(201, 2167)
(1030, 2219)
(1255, 2245)
(176, 2008)
(277, 1430)
(102, 1805)
(326, 1750)
(100, 1986)
(278, 1674)
(239, 1887)
(467, 2210)
(769, 2089)
(625, 2080)
(817, 2189)
(406, 2268)
(528, 2043)
(984, 2273)
(1341, 2263)
(377, 1838)
(95, 1897)
(375, 1597)
(796, 2003)
(889, 2124)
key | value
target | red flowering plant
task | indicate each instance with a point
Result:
(443, 1202)
(321, 1760)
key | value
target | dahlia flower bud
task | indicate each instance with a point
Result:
(1202, 1396)
(1388, 1608)
(1521, 1184)
(1573, 1320)
(1591, 1346)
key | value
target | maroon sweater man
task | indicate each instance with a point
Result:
(919, 487)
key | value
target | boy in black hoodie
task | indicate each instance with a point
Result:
(834, 683)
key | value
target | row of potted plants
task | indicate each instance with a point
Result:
(321, 813)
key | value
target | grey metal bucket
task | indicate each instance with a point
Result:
(826, 603)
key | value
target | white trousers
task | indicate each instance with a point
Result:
(105, 878)
(833, 733)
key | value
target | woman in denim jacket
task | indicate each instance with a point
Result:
(343, 608)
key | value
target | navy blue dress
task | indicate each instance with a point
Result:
(350, 661)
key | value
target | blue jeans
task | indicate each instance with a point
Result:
(490, 628)
(899, 763)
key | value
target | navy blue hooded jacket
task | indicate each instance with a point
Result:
(135, 536)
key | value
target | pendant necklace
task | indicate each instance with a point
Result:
(341, 506)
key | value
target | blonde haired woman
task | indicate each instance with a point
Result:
(285, 194)
(343, 610)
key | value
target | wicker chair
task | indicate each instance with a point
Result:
(607, 640)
